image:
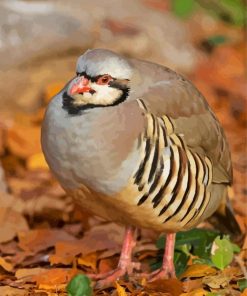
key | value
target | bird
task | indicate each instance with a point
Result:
(136, 143)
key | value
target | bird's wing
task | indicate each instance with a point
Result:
(193, 120)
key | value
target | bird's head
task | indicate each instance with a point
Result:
(102, 80)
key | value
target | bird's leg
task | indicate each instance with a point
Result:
(125, 264)
(167, 270)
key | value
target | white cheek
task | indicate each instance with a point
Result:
(105, 94)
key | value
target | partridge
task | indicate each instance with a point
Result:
(136, 143)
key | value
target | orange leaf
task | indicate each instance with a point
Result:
(89, 260)
(198, 270)
(37, 161)
(24, 141)
(11, 223)
(6, 265)
(51, 90)
(41, 239)
(197, 292)
(55, 276)
(120, 290)
(28, 272)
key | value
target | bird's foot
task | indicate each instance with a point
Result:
(105, 279)
(167, 272)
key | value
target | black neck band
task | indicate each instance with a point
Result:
(73, 109)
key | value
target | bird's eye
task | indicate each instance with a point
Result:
(105, 79)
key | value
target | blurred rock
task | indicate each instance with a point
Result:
(40, 41)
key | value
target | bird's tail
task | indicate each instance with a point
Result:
(225, 218)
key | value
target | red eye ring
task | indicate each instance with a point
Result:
(105, 79)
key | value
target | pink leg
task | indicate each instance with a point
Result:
(125, 265)
(167, 270)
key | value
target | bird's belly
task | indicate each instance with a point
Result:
(123, 208)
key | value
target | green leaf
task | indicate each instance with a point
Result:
(235, 248)
(222, 252)
(183, 8)
(180, 262)
(79, 286)
(229, 11)
(200, 240)
(202, 261)
(184, 248)
(217, 40)
(242, 284)
(160, 243)
(213, 294)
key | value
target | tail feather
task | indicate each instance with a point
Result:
(224, 218)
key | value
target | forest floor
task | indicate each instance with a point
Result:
(45, 240)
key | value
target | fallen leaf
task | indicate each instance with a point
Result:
(9, 291)
(37, 161)
(120, 290)
(24, 273)
(216, 281)
(66, 251)
(51, 290)
(23, 141)
(198, 270)
(107, 264)
(107, 236)
(89, 260)
(172, 286)
(11, 223)
(55, 276)
(191, 285)
(40, 239)
(6, 265)
(197, 292)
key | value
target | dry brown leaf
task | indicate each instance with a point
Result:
(37, 161)
(55, 276)
(24, 273)
(9, 248)
(66, 251)
(190, 285)
(197, 292)
(6, 265)
(11, 202)
(40, 239)
(198, 270)
(89, 260)
(51, 290)
(172, 286)
(101, 237)
(217, 281)
(107, 264)
(11, 223)
(23, 141)
(9, 291)
(120, 290)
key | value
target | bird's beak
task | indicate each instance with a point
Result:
(80, 86)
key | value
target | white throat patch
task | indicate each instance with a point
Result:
(104, 95)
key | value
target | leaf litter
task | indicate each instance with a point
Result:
(45, 240)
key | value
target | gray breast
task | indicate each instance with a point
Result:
(84, 149)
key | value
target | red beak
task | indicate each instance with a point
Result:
(80, 86)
